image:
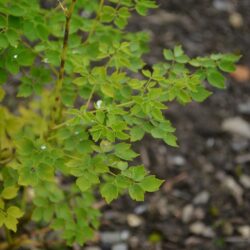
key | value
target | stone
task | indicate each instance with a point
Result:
(227, 229)
(201, 198)
(114, 237)
(92, 248)
(229, 183)
(223, 5)
(120, 246)
(236, 125)
(245, 181)
(141, 209)
(134, 220)
(199, 213)
(236, 20)
(244, 108)
(187, 213)
(200, 228)
(244, 231)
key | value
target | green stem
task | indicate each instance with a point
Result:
(8, 236)
(57, 109)
(93, 29)
(90, 97)
(125, 104)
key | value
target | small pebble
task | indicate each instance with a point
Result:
(125, 234)
(245, 181)
(141, 209)
(201, 198)
(228, 229)
(199, 213)
(177, 160)
(92, 248)
(187, 213)
(244, 231)
(244, 108)
(134, 220)
(192, 241)
(236, 125)
(236, 20)
(120, 246)
(223, 5)
(201, 229)
(110, 237)
(233, 187)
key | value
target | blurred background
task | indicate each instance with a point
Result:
(205, 201)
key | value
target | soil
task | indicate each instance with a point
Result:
(207, 156)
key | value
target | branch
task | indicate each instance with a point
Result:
(57, 109)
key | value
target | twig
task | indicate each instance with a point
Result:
(93, 29)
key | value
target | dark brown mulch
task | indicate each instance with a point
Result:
(206, 158)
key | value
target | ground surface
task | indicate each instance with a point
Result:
(205, 202)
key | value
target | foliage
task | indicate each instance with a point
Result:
(57, 143)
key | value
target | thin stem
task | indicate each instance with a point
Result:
(90, 97)
(57, 109)
(125, 104)
(61, 5)
(93, 29)
(8, 235)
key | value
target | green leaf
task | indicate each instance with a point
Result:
(136, 133)
(123, 151)
(122, 181)
(122, 17)
(171, 140)
(109, 192)
(231, 58)
(151, 183)
(15, 212)
(3, 41)
(3, 22)
(37, 214)
(182, 59)
(107, 90)
(168, 54)
(26, 58)
(136, 192)
(216, 79)
(16, 10)
(11, 222)
(9, 193)
(227, 66)
(201, 94)
(12, 37)
(45, 172)
(136, 173)
(42, 32)
(83, 183)
(12, 66)
(142, 6)
(108, 14)
(24, 90)
(178, 51)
